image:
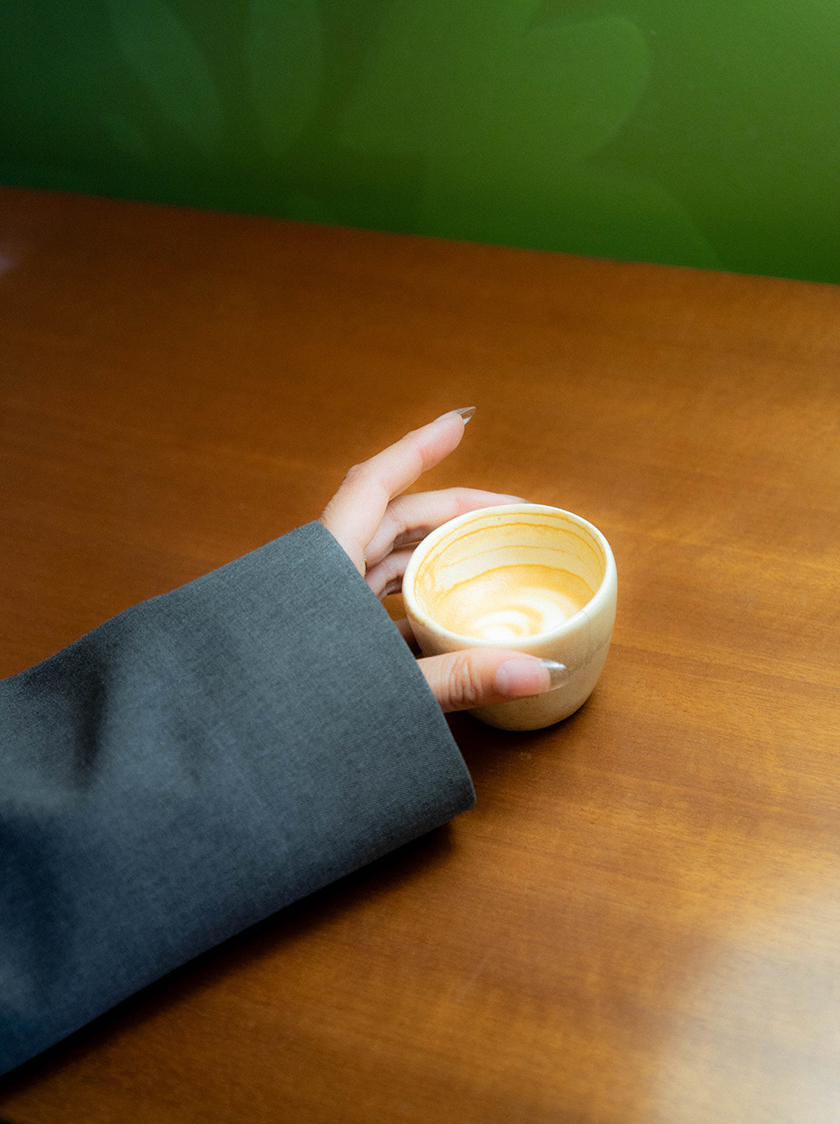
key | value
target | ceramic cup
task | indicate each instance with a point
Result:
(532, 578)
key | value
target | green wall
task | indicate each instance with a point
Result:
(704, 133)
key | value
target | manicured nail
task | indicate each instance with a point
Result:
(517, 679)
(466, 412)
(558, 673)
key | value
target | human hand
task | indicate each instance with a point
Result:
(377, 526)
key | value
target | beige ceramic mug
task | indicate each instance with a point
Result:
(532, 578)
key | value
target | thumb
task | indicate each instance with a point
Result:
(484, 676)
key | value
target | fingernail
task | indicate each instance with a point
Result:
(558, 673)
(519, 678)
(466, 412)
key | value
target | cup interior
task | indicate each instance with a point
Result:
(502, 575)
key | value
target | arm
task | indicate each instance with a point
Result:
(211, 755)
(197, 763)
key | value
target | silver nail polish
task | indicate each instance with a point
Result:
(558, 673)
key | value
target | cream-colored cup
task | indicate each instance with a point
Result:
(532, 578)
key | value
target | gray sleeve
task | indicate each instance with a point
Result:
(197, 763)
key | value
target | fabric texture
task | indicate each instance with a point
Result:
(197, 763)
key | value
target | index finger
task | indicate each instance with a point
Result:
(354, 513)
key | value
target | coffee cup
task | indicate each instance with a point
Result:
(527, 577)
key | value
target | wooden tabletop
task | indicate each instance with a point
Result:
(639, 923)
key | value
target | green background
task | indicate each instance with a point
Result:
(703, 133)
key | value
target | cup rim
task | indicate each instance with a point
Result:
(601, 595)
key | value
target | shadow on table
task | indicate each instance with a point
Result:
(396, 869)
(490, 754)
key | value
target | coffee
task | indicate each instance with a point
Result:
(511, 602)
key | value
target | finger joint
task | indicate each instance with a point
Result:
(465, 683)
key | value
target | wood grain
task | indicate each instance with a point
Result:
(638, 922)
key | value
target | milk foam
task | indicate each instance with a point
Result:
(511, 602)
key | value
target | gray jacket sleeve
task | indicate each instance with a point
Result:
(197, 763)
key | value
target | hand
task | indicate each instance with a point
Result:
(377, 525)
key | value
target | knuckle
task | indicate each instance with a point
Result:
(398, 525)
(463, 501)
(386, 570)
(395, 528)
(465, 688)
(355, 472)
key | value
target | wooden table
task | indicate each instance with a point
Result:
(640, 921)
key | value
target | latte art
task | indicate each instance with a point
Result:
(511, 603)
